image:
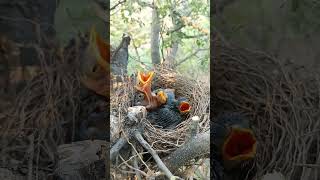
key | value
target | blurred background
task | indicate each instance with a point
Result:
(289, 30)
(174, 32)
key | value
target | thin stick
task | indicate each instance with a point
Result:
(136, 166)
(31, 154)
(135, 169)
(159, 162)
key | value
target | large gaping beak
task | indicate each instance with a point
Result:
(240, 145)
(144, 78)
(100, 48)
(184, 107)
(144, 84)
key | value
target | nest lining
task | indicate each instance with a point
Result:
(163, 140)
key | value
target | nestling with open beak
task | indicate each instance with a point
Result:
(233, 139)
(167, 97)
(151, 101)
(95, 63)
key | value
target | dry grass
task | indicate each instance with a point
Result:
(34, 124)
(282, 102)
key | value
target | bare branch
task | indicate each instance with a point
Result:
(136, 165)
(159, 162)
(31, 155)
(193, 129)
(198, 146)
(119, 3)
(137, 170)
(189, 56)
(117, 147)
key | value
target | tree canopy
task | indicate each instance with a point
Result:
(182, 33)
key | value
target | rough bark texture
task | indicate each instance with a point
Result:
(119, 60)
(198, 146)
(155, 33)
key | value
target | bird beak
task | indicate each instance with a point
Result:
(145, 78)
(239, 145)
(184, 107)
(162, 97)
(100, 48)
(144, 84)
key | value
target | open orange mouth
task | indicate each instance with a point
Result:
(145, 77)
(103, 47)
(240, 145)
(100, 47)
(144, 84)
(184, 107)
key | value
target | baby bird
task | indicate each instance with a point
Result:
(167, 97)
(150, 101)
(233, 139)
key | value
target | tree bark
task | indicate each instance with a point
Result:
(196, 147)
(155, 36)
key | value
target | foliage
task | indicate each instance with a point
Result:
(134, 18)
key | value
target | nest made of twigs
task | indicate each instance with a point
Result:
(282, 102)
(35, 123)
(198, 94)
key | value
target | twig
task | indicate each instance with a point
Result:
(189, 56)
(308, 165)
(193, 129)
(30, 156)
(116, 148)
(119, 3)
(136, 166)
(159, 162)
(135, 169)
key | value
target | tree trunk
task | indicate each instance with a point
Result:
(155, 33)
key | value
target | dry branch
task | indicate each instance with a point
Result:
(154, 154)
(117, 147)
(196, 147)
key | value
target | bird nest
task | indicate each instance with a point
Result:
(166, 140)
(282, 103)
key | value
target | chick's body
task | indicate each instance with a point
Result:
(164, 117)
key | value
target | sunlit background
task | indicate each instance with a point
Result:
(135, 18)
